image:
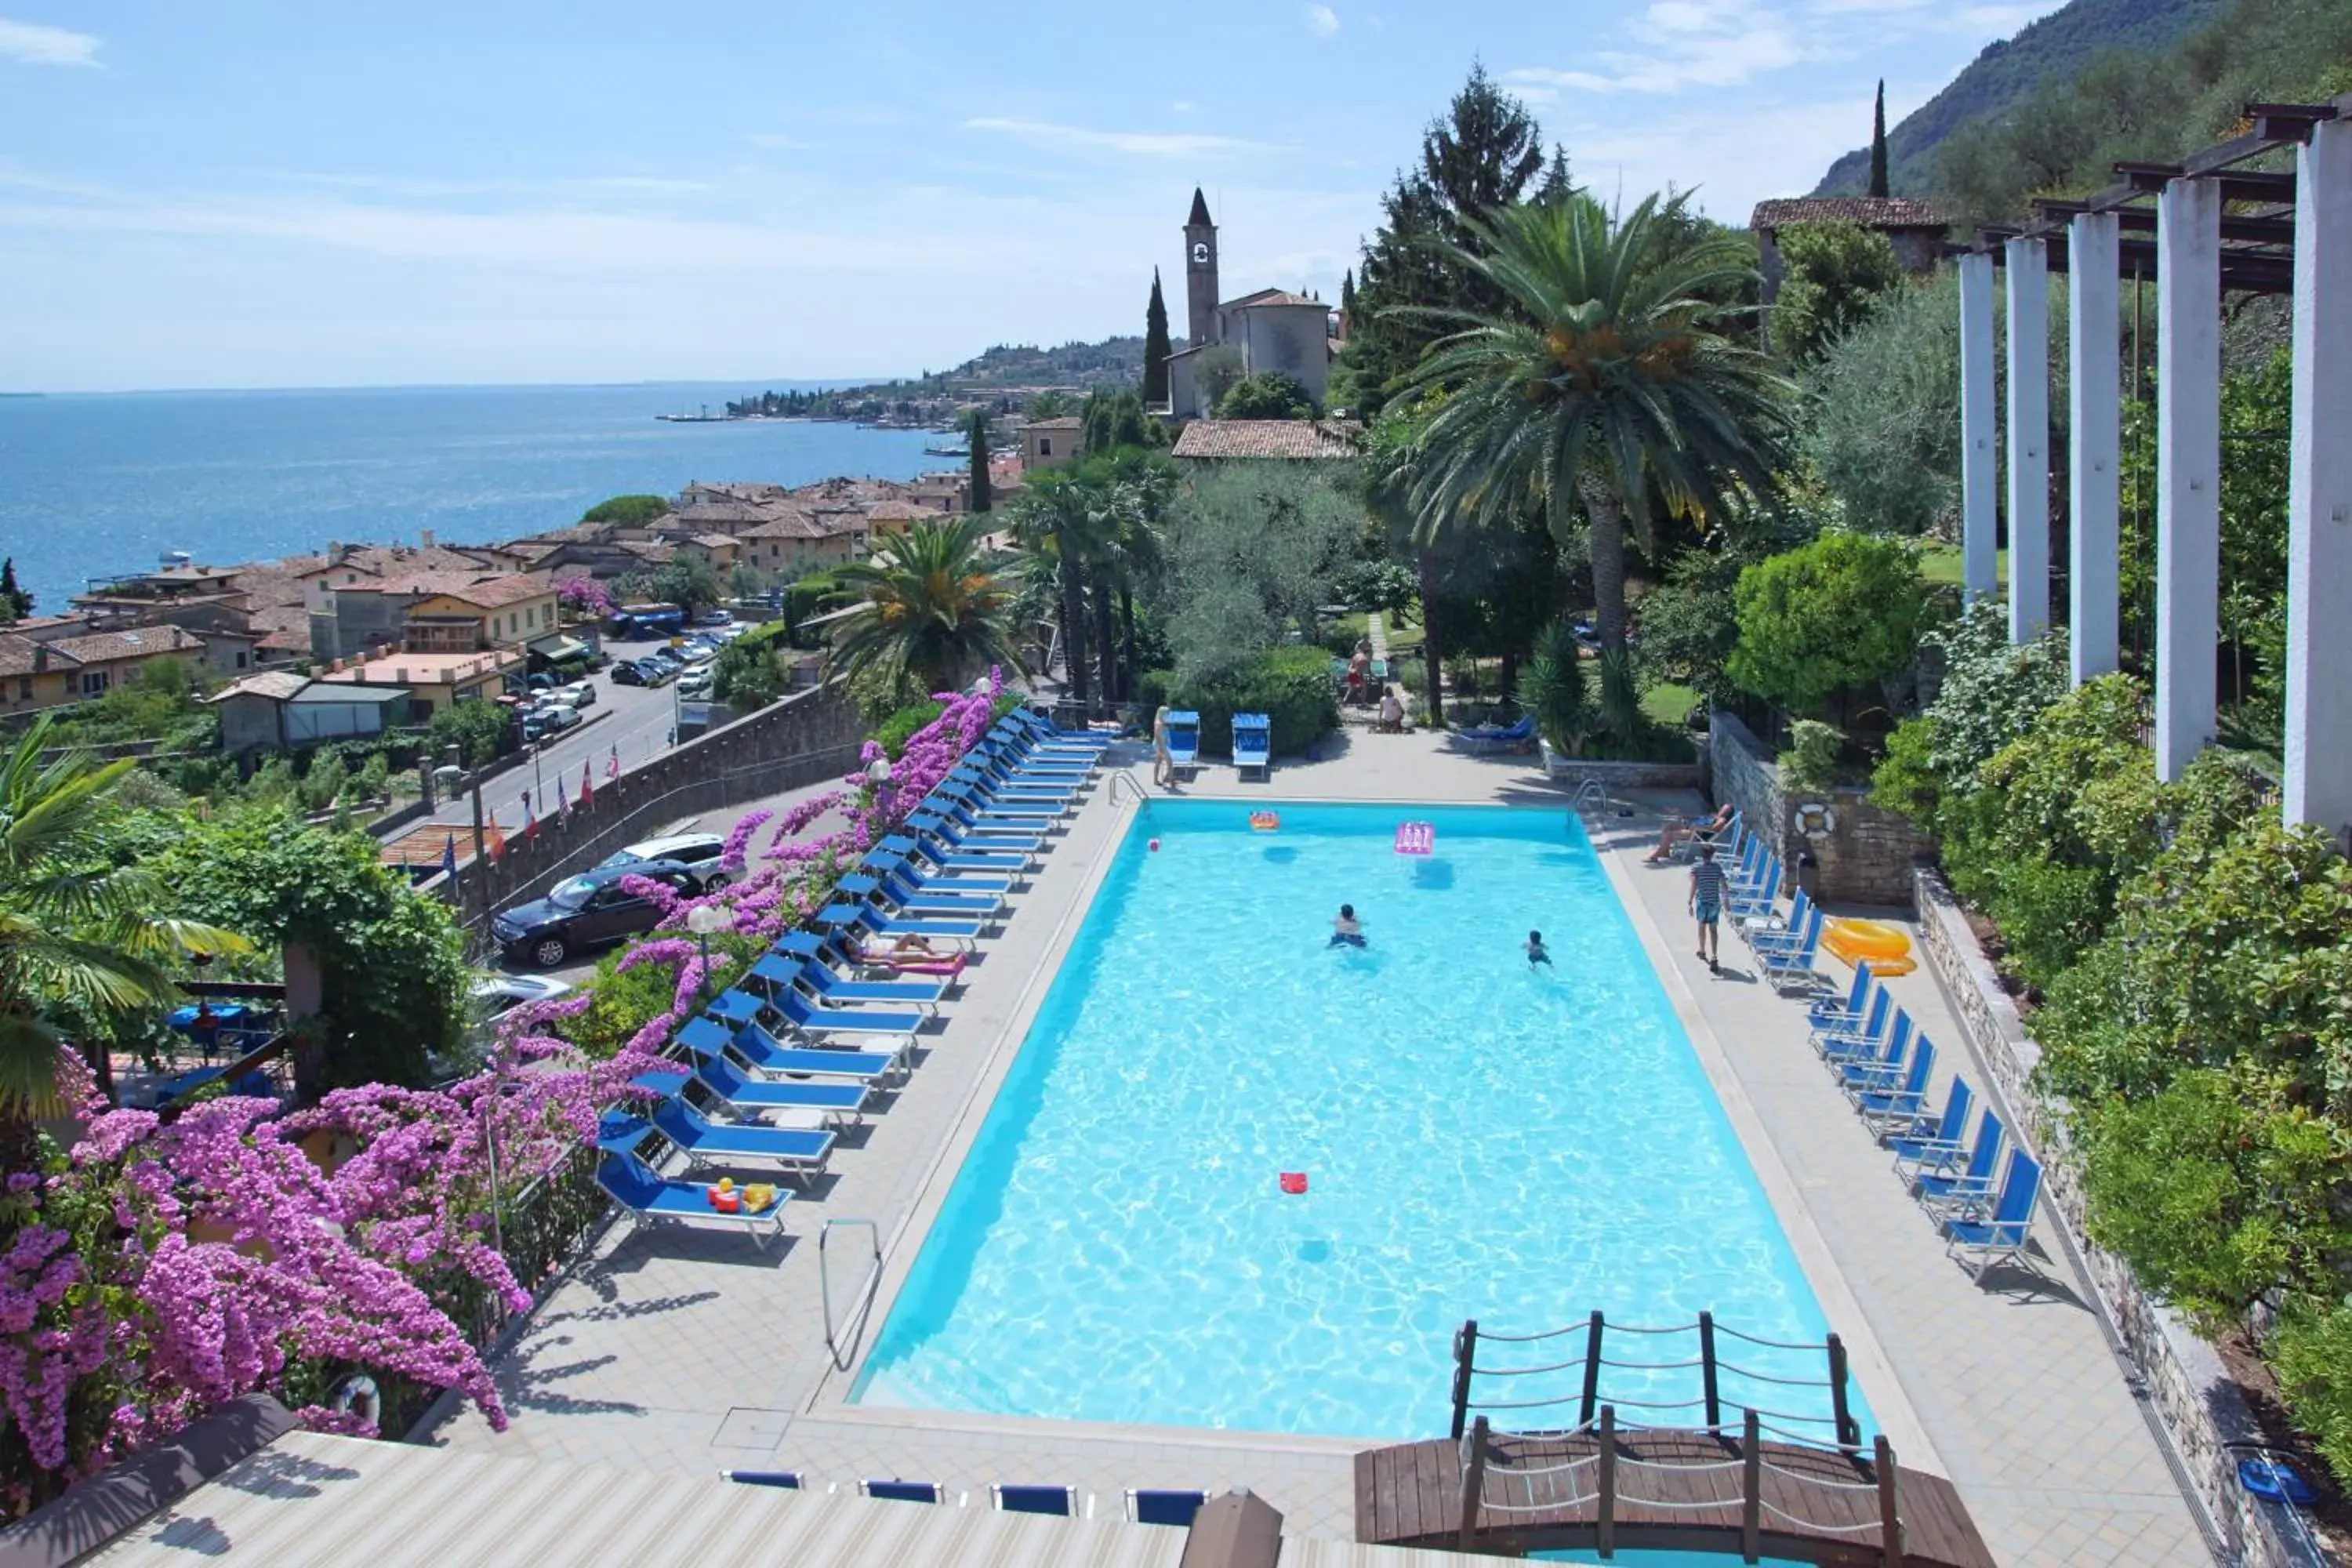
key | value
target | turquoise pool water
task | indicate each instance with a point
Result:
(1480, 1137)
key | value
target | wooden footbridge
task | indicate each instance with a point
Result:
(1752, 1486)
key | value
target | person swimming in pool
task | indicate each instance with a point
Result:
(1537, 952)
(1347, 931)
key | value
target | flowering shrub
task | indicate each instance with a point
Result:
(584, 596)
(159, 1268)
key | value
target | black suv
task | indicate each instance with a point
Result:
(590, 910)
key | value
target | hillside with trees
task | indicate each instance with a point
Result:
(2010, 71)
(1009, 371)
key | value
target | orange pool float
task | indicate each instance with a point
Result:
(1885, 947)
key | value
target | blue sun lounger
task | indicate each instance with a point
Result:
(1013, 866)
(1923, 1139)
(778, 970)
(1482, 739)
(939, 830)
(2002, 1234)
(1061, 1503)
(703, 1141)
(653, 1200)
(921, 905)
(1005, 784)
(1184, 740)
(830, 1103)
(761, 1051)
(1003, 745)
(1768, 935)
(1833, 1043)
(1864, 1073)
(805, 1017)
(1943, 1184)
(1030, 817)
(1898, 1096)
(1786, 965)
(1149, 1506)
(1046, 732)
(879, 922)
(1827, 1014)
(1253, 744)
(886, 862)
(751, 1099)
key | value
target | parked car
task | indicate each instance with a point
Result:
(714, 619)
(552, 719)
(496, 996)
(656, 671)
(697, 852)
(579, 694)
(695, 682)
(627, 672)
(666, 659)
(592, 910)
(542, 682)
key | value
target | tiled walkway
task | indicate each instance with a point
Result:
(692, 1352)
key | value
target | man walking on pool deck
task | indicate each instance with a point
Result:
(1706, 906)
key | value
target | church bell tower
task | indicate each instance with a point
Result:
(1200, 272)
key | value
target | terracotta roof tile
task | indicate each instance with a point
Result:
(142, 642)
(1294, 438)
(1870, 212)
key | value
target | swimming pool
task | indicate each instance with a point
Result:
(1480, 1138)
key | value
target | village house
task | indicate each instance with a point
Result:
(279, 711)
(1050, 443)
(1270, 329)
(1207, 441)
(434, 680)
(1916, 229)
(53, 674)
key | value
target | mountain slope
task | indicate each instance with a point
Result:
(2009, 70)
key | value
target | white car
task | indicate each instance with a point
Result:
(495, 996)
(699, 852)
(695, 682)
(579, 694)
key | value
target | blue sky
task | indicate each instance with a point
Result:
(260, 193)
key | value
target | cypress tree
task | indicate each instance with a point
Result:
(976, 431)
(1155, 346)
(1347, 291)
(1878, 144)
(15, 602)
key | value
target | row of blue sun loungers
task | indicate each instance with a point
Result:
(772, 1071)
(1885, 1064)
(1982, 1204)
(1144, 1505)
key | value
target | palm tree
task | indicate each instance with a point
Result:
(81, 944)
(1060, 515)
(1607, 381)
(932, 604)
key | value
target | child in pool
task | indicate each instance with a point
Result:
(1347, 931)
(1537, 952)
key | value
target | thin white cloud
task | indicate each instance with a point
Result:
(30, 43)
(1322, 21)
(1683, 44)
(1141, 143)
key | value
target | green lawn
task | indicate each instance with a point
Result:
(1941, 563)
(1669, 704)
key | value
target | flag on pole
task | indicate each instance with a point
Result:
(529, 819)
(498, 841)
(563, 806)
(587, 795)
(449, 856)
(612, 768)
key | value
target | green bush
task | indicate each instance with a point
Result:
(748, 673)
(2048, 914)
(323, 782)
(1841, 611)
(2313, 1358)
(2215, 1198)
(481, 732)
(894, 731)
(1291, 686)
(1812, 760)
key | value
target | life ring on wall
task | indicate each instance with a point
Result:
(357, 1396)
(1815, 818)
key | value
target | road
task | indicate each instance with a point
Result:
(638, 720)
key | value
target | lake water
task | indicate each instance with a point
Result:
(93, 485)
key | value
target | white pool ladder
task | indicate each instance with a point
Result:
(841, 1339)
(1126, 776)
(1591, 794)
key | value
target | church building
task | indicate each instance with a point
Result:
(1272, 328)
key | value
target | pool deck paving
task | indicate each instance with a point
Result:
(692, 1350)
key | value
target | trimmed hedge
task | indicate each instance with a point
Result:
(1291, 686)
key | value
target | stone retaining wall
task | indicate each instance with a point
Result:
(2178, 1374)
(805, 739)
(1861, 855)
(1570, 772)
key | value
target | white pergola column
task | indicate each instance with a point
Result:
(2028, 265)
(2095, 426)
(2187, 469)
(1978, 525)
(2319, 490)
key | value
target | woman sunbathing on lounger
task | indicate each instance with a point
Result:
(1678, 829)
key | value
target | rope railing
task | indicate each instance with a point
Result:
(1588, 1367)
(1494, 1482)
